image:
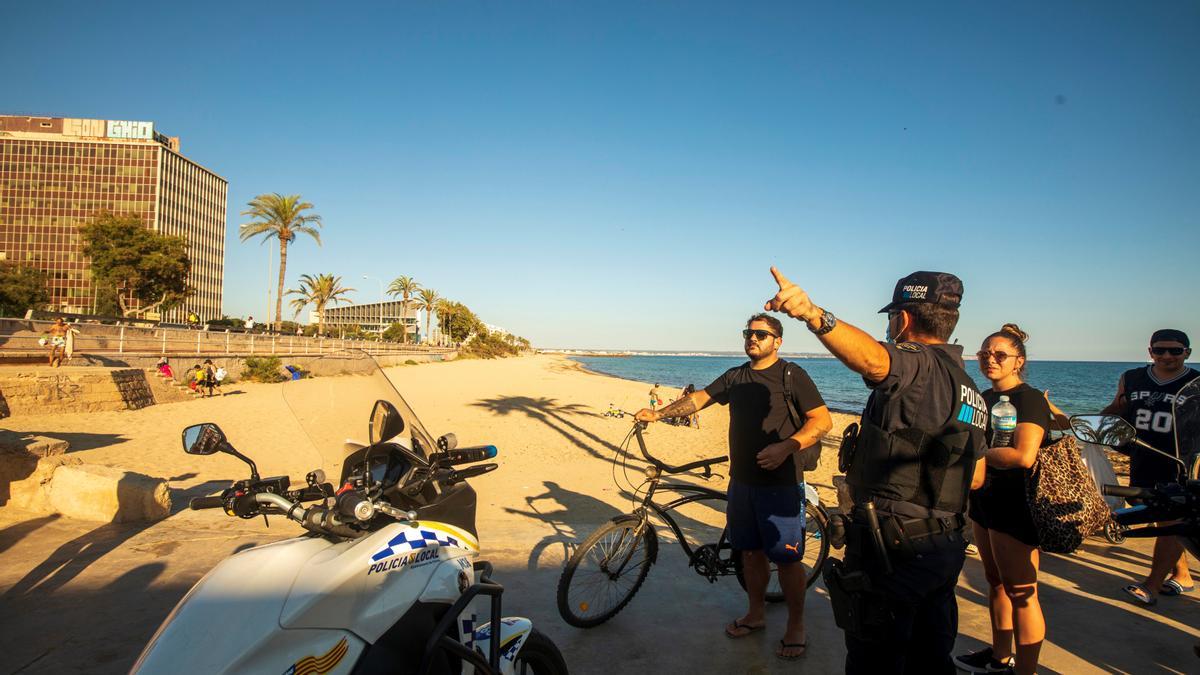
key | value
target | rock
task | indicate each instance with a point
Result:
(41, 446)
(106, 494)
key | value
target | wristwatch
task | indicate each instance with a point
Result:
(828, 323)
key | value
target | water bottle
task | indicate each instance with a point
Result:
(1004, 423)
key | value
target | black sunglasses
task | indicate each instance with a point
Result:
(999, 356)
(1173, 351)
(758, 334)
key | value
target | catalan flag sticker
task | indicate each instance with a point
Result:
(319, 665)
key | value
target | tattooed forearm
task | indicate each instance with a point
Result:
(681, 408)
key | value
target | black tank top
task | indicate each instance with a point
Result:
(1148, 405)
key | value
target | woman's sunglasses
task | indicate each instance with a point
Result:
(999, 356)
(1173, 351)
(758, 334)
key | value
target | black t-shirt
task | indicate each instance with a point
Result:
(1032, 408)
(758, 417)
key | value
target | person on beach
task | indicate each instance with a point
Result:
(1004, 529)
(911, 465)
(195, 376)
(209, 377)
(693, 420)
(249, 324)
(1145, 397)
(655, 396)
(765, 511)
(164, 368)
(56, 339)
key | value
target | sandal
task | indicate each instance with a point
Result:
(738, 625)
(1139, 593)
(1172, 587)
(802, 646)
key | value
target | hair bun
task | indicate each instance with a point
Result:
(1015, 331)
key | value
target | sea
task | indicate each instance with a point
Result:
(1078, 387)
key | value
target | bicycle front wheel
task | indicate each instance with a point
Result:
(606, 571)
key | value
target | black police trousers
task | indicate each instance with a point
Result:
(920, 634)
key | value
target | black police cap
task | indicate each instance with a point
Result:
(930, 287)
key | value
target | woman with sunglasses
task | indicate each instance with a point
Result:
(1004, 530)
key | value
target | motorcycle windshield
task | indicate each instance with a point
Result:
(332, 398)
(1187, 419)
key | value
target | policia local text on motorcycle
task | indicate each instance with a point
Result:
(909, 468)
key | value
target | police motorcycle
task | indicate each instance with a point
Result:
(1165, 502)
(386, 577)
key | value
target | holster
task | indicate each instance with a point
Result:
(846, 449)
(858, 608)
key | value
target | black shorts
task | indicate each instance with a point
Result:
(1001, 507)
(1147, 472)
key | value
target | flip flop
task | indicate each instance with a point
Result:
(802, 646)
(1172, 587)
(738, 625)
(1139, 593)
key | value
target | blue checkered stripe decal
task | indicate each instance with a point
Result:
(409, 540)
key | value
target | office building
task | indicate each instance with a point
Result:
(56, 173)
(375, 317)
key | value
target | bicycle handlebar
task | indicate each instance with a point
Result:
(668, 468)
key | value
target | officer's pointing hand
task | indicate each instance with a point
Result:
(791, 299)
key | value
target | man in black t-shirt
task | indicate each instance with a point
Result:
(1145, 398)
(765, 512)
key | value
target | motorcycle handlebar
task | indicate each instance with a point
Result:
(464, 455)
(352, 505)
(1126, 492)
(215, 502)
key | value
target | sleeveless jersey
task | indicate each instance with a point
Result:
(1149, 402)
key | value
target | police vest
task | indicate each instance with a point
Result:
(928, 468)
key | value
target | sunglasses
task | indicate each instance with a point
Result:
(1173, 351)
(757, 334)
(1000, 357)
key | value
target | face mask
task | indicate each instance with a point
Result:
(891, 339)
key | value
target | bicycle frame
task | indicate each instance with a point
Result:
(689, 494)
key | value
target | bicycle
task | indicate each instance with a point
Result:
(608, 568)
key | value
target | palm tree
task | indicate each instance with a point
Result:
(319, 291)
(282, 217)
(443, 310)
(427, 301)
(405, 287)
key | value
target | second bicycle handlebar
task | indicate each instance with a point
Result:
(668, 468)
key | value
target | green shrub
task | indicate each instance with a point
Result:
(410, 362)
(263, 369)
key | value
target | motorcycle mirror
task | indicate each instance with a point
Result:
(447, 442)
(1109, 430)
(386, 422)
(203, 439)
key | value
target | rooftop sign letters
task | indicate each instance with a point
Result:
(129, 129)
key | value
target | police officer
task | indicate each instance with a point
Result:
(916, 456)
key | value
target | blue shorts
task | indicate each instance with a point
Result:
(768, 518)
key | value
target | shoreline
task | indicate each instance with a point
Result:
(583, 367)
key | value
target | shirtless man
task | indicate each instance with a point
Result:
(57, 341)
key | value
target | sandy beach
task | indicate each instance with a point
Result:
(555, 483)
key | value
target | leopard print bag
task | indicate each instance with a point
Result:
(1063, 499)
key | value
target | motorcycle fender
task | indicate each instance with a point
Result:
(514, 631)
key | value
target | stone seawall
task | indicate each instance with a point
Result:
(41, 391)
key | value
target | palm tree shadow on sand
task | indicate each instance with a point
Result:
(554, 415)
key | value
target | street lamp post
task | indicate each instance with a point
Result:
(380, 305)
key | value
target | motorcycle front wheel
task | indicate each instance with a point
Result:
(539, 656)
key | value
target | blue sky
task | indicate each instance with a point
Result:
(622, 175)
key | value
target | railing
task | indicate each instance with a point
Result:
(22, 335)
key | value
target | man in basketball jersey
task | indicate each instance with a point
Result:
(1145, 397)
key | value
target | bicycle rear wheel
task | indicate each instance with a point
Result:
(816, 551)
(606, 571)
